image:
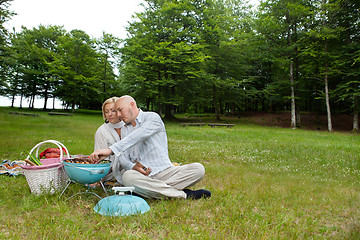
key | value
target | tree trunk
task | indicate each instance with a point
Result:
(105, 78)
(46, 96)
(73, 107)
(330, 129)
(215, 102)
(21, 99)
(160, 109)
(148, 104)
(31, 101)
(13, 100)
(221, 109)
(169, 112)
(293, 112)
(356, 114)
(298, 119)
(327, 99)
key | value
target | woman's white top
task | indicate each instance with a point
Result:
(106, 136)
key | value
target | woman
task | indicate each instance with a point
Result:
(109, 133)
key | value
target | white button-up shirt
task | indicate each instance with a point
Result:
(145, 143)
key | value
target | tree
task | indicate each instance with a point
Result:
(75, 68)
(348, 17)
(109, 49)
(5, 15)
(162, 57)
(321, 51)
(184, 54)
(35, 52)
(286, 20)
(326, 18)
(224, 30)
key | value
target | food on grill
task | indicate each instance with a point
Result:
(83, 160)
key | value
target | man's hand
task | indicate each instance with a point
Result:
(141, 168)
(99, 155)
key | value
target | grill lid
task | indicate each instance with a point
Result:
(121, 205)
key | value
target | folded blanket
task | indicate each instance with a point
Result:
(11, 168)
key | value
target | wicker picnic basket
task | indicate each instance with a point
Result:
(50, 176)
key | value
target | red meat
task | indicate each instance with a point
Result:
(51, 153)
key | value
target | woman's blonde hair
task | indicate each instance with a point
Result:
(107, 101)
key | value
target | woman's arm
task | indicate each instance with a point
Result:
(100, 139)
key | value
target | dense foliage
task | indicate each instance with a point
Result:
(199, 56)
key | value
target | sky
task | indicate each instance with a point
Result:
(92, 16)
(110, 16)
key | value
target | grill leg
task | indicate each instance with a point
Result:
(103, 187)
(87, 191)
(70, 181)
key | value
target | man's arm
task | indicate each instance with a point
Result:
(100, 154)
(152, 124)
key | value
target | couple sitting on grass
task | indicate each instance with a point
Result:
(136, 144)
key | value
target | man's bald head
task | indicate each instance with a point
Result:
(126, 99)
(127, 109)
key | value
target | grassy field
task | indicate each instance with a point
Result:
(267, 183)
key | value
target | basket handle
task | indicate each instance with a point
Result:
(57, 143)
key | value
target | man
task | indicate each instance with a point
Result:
(143, 152)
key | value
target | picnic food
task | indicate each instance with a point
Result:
(8, 166)
(82, 160)
(30, 162)
(51, 153)
(33, 160)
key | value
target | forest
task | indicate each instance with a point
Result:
(197, 56)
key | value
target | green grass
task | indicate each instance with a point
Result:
(267, 183)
